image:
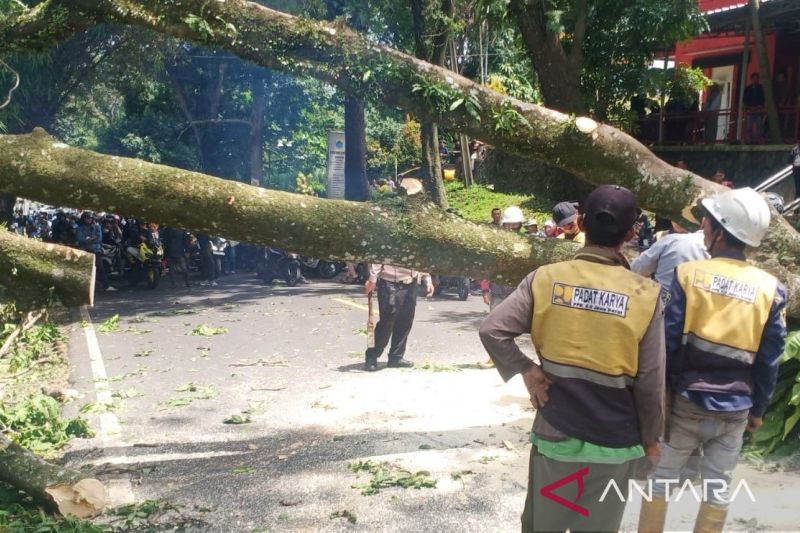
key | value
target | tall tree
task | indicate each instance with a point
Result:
(433, 20)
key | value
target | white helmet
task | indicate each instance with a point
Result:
(743, 213)
(513, 215)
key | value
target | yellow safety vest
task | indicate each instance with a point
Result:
(728, 303)
(588, 320)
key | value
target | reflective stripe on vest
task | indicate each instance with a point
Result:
(728, 303)
(588, 321)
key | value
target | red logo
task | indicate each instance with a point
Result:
(548, 491)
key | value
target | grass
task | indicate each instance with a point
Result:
(477, 202)
(385, 474)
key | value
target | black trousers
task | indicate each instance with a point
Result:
(397, 304)
(544, 514)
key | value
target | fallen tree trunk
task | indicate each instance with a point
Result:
(34, 274)
(54, 487)
(359, 66)
(406, 231)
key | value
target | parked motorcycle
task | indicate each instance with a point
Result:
(277, 263)
(147, 265)
(113, 260)
(320, 267)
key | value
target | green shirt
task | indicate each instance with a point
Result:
(575, 450)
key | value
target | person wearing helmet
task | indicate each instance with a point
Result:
(599, 333)
(90, 238)
(566, 217)
(495, 293)
(725, 332)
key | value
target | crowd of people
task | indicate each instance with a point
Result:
(118, 242)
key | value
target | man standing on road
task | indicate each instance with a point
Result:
(667, 253)
(397, 301)
(598, 330)
(725, 332)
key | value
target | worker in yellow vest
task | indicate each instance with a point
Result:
(725, 332)
(599, 333)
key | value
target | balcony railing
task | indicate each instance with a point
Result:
(718, 127)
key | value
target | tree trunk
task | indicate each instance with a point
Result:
(257, 111)
(33, 272)
(559, 75)
(56, 488)
(766, 76)
(410, 233)
(357, 65)
(435, 53)
(356, 186)
(432, 164)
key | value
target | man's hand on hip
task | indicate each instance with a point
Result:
(753, 423)
(537, 384)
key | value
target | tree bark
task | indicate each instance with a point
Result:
(432, 178)
(766, 76)
(57, 488)
(559, 74)
(257, 111)
(33, 273)
(356, 186)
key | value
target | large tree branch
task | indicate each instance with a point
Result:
(410, 232)
(595, 152)
(32, 272)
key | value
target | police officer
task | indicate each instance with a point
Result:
(724, 334)
(397, 302)
(598, 330)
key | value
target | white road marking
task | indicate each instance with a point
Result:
(120, 491)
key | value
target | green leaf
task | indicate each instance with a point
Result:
(791, 422)
(456, 104)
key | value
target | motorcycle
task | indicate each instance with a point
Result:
(462, 286)
(320, 267)
(147, 265)
(113, 260)
(277, 263)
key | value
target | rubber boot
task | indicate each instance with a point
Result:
(710, 518)
(653, 515)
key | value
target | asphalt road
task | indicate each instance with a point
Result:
(290, 361)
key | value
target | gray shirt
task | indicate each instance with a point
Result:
(514, 316)
(667, 253)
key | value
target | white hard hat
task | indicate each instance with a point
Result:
(513, 215)
(743, 213)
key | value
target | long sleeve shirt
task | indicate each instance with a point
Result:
(513, 318)
(90, 237)
(397, 274)
(765, 365)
